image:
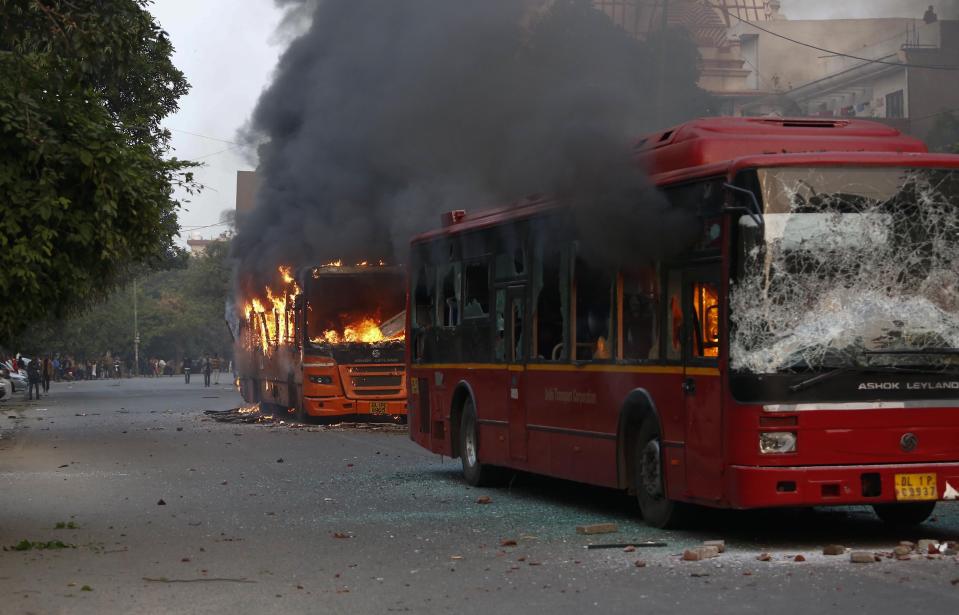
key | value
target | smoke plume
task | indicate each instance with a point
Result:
(382, 115)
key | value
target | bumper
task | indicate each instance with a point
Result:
(758, 487)
(328, 407)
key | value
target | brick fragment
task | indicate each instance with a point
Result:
(927, 545)
(719, 544)
(799, 558)
(764, 557)
(640, 563)
(484, 499)
(597, 528)
(906, 543)
(834, 550)
(902, 552)
(862, 557)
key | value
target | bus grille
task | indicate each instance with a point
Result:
(375, 381)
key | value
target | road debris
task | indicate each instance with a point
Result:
(834, 550)
(764, 557)
(198, 580)
(719, 544)
(623, 545)
(700, 553)
(484, 499)
(863, 557)
(597, 528)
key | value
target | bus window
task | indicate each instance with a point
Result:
(499, 343)
(674, 317)
(551, 301)
(706, 309)
(450, 283)
(594, 313)
(476, 305)
(640, 314)
(424, 297)
(511, 264)
(517, 312)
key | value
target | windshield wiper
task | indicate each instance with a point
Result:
(805, 384)
(916, 351)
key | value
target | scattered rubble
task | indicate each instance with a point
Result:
(484, 499)
(834, 550)
(597, 528)
(863, 557)
(700, 553)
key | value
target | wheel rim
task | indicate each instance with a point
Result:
(651, 471)
(469, 444)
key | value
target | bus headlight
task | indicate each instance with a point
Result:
(321, 379)
(774, 442)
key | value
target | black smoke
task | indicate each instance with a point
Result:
(382, 115)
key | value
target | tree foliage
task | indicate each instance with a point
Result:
(87, 190)
(180, 312)
(944, 135)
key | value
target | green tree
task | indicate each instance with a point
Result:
(944, 135)
(180, 312)
(87, 188)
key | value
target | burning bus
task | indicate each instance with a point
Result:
(329, 343)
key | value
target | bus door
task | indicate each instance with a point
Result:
(515, 339)
(702, 387)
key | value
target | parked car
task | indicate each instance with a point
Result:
(17, 377)
(6, 387)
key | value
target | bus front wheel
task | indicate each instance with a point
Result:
(649, 479)
(904, 515)
(476, 474)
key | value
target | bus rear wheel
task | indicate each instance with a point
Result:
(476, 474)
(904, 515)
(649, 479)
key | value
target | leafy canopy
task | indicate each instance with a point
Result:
(180, 312)
(87, 193)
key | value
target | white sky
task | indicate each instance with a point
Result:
(228, 49)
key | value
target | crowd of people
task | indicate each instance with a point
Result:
(43, 370)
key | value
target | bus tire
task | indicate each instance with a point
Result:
(904, 515)
(476, 474)
(649, 479)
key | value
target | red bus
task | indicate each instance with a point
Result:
(328, 344)
(801, 351)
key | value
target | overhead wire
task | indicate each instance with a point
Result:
(838, 53)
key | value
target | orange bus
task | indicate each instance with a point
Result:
(802, 350)
(328, 344)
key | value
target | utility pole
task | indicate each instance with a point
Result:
(136, 333)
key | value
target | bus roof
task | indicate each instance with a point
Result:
(713, 146)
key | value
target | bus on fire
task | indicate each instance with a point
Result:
(802, 351)
(327, 344)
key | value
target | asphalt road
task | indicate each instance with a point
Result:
(360, 521)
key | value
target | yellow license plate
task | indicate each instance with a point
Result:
(916, 487)
(378, 407)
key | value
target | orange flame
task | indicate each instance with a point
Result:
(365, 330)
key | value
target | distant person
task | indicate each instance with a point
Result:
(186, 370)
(207, 370)
(46, 374)
(116, 368)
(930, 16)
(161, 367)
(57, 371)
(33, 379)
(215, 366)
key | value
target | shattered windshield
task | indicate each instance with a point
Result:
(847, 262)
